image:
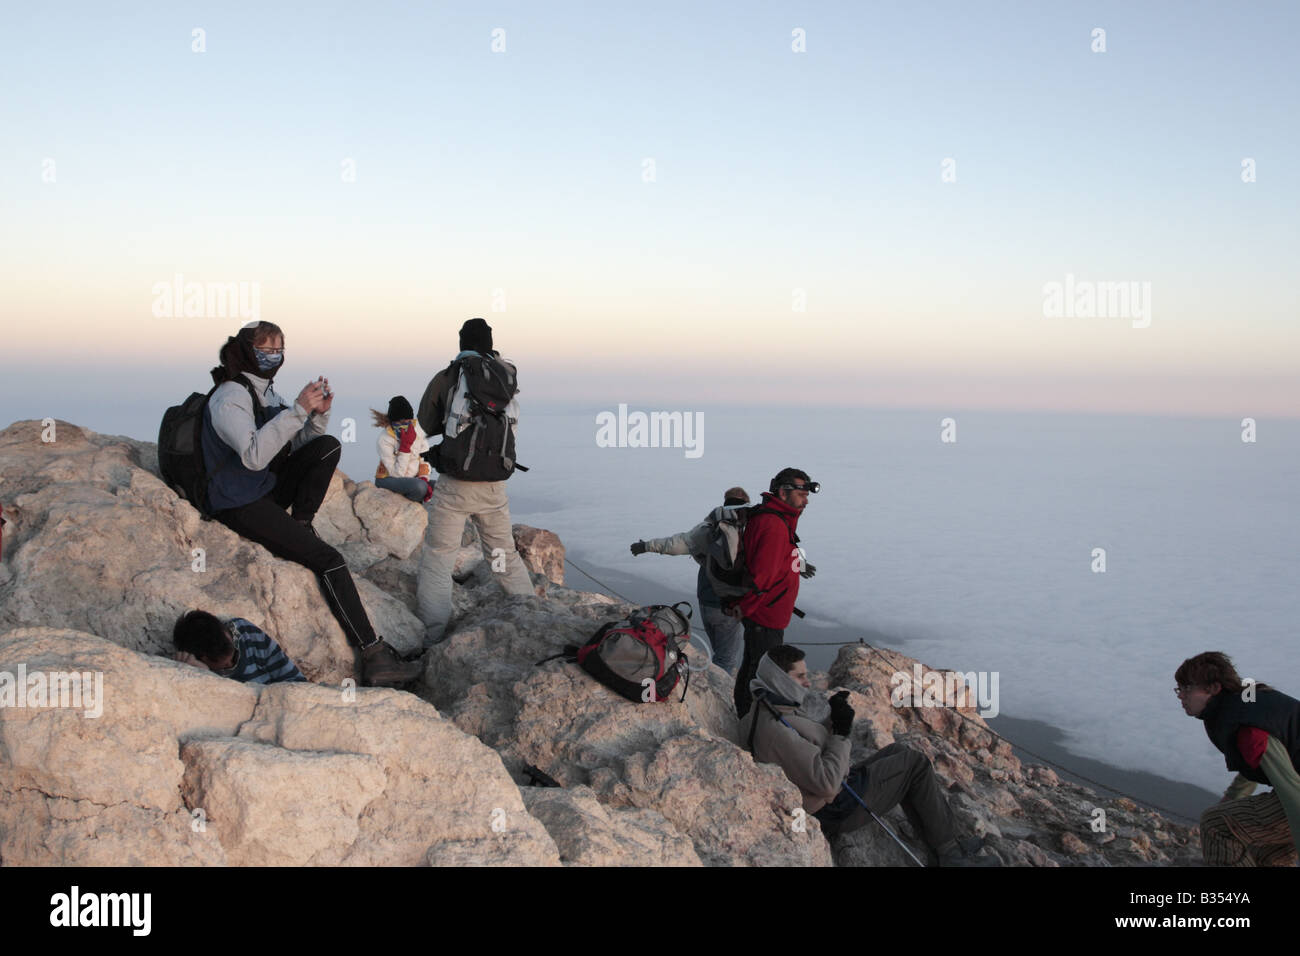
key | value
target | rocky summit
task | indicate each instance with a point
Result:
(180, 766)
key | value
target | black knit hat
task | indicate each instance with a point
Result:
(399, 409)
(476, 336)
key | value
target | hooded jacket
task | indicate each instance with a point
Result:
(771, 560)
(815, 760)
(237, 453)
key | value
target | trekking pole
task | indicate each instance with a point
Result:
(882, 823)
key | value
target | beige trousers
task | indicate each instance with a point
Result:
(486, 504)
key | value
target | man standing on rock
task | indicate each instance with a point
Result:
(472, 404)
(1257, 729)
(774, 562)
(807, 736)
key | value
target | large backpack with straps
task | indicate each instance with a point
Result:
(180, 446)
(640, 657)
(478, 434)
(724, 563)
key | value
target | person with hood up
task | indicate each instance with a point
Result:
(264, 457)
(808, 737)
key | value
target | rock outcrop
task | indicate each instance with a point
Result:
(183, 767)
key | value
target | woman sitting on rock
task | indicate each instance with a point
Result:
(402, 442)
(262, 457)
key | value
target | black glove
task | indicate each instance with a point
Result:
(841, 714)
(638, 547)
(808, 570)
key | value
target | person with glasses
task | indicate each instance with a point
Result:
(1257, 729)
(264, 458)
(774, 562)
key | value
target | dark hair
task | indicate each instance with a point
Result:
(1209, 668)
(785, 476)
(785, 656)
(236, 356)
(203, 635)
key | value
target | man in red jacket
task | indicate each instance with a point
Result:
(774, 561)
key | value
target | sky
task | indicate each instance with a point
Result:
(662, 202)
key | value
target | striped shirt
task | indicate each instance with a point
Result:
(258, 658)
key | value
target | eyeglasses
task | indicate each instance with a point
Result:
(1182, 689)
(279, 351)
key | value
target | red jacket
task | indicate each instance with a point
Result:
(773, 562)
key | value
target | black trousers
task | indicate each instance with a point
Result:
(758, 641)
(893, 775)
(301, 482)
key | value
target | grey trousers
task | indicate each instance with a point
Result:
(454, 501)
(893, 775)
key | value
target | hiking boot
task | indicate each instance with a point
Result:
(382, 667)
(958, 856)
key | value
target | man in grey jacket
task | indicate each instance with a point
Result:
(724, 631)
(807, 736)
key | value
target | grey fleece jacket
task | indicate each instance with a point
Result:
(815, 760)
(694, 542)
(231, 409)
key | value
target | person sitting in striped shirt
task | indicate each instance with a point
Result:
(236, 648)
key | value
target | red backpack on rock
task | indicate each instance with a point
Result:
(640, 657)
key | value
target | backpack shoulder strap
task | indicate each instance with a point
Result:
(754, 726)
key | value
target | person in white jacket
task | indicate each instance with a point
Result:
(401, 443)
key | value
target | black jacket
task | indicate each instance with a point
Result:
(1272, 711)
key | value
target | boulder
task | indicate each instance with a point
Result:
(84, 790)
(541, 551)
(589, 833)
(182, 767)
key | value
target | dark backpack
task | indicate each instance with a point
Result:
(478, 435)
(639, 658)
(180, 447)
(724, 564)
